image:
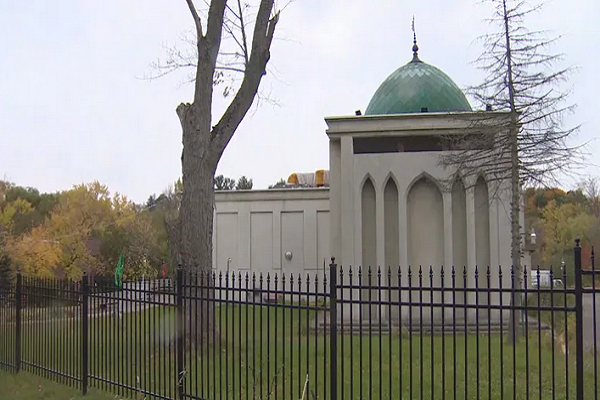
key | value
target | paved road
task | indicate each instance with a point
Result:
(588, 322)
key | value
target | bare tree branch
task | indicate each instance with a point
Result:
(208, 50)
(264, 30)
(542, 143)
(530, 144)
(231, 62)
(243, 30)
(197, 20)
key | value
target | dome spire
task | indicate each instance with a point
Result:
(415, 47)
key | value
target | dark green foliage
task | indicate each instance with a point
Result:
(279, 184)
(42, 205)
(223, 183)
(151, 202)
(243, 184)
(6, 273)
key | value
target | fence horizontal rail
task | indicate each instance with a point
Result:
(112, 299)
(449, 289)
(426, 304)
(38, 367)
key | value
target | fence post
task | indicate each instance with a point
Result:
(578, 321)
(333, 327)
(19, 306)
(179, 336)
(85, 289)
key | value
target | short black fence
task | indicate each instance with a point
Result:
(354, 333)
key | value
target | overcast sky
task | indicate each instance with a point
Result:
(73, 106)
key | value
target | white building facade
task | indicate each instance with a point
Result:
(389, 203)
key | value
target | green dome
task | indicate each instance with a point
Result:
(415, 86)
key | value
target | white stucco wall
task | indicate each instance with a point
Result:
(406, 169)
(413, 223)
(255, 229)
(423, 213)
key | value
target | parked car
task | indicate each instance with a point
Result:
(544, 280)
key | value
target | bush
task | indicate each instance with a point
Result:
(6, 274)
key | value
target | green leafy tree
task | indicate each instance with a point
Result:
(6, 273)
(164, 211)
(40, 206)
(144, 253)
(561, 225)
(13, 212)
(5, 262)
(39, 254)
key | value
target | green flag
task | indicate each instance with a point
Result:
(119, 271)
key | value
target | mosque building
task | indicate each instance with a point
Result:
(385, 200)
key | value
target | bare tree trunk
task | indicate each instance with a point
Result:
(196, 224)
(515, 211)
(197, 203)
(203, 146)
(515, 204)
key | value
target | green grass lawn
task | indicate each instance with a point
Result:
(25, 386)
(267, 352)
(378, 366)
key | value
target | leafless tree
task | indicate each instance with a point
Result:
(591, 188)
(203, 141)
(528, 143)
(231, 40)
(233, 53)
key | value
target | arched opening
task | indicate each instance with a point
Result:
(425, 235)
(425, 225)
(392, 237)
(391, 225)
(459, 237)
(482, 234)
(369, 245)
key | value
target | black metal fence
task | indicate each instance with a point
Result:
(425, 333)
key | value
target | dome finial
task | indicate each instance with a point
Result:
(415, 47)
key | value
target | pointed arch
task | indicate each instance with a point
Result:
(470, 180)
(367, 177)
(423, 175)
(459, 178)
(389, 177)
(425, 219)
